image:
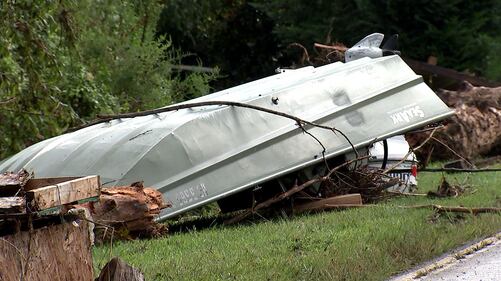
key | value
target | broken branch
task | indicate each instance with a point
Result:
(411, 150)
(300, 122)
(456, 209)
(289, 192)
(458, 170)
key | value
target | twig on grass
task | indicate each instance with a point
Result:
(435, 207)
(455, 209)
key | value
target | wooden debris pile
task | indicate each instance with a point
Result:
(41, 235)
(369, 183)
(130, 210)
(340, 187)
(24, 198)
(472, 132)
(347, 188)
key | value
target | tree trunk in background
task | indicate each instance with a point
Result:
(474, 131)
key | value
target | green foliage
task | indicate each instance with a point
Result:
(230, 35)
(64, 62)
(460, 33)
(247, 39)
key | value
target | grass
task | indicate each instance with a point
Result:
(357, 244)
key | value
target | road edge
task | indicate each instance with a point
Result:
(450, 258)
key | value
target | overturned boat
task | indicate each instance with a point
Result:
(202, 154)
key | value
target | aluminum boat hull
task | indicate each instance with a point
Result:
(199, 155)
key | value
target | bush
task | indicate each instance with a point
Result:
(64, 62)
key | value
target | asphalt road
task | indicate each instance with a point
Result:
(484, 265)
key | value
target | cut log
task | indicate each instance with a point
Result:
(64, 193)
(12, 205)
(348, 199)
(130, 210)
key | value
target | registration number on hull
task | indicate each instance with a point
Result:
(191, 194)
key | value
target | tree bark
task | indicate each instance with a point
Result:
(473, 132)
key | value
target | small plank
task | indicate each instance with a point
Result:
(348, 199)
(12, 205)
(42, 182)
(64, 193)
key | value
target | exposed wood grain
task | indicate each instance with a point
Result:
(130, 210)
(56, 252)
(351, 199)
(64, 193)
(42, 182)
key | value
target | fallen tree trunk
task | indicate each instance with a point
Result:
(472, 132)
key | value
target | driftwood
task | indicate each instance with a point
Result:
(474, 130)
(130, 210)
(117, 270)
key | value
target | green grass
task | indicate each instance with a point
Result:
(358, 244)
